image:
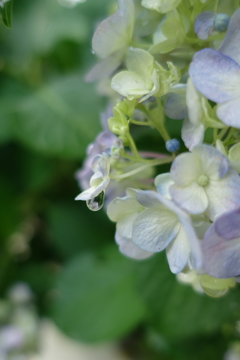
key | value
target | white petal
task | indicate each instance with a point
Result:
(149, 199)
(127, 83)
(230, 44)
(129, 249)
(192, 135)
(215, 75)
(229, 113)
(162, 6)
(115, 32)
(94, 191)
(194, 104)
(185, 169)
(191, 198)
(223, 195)
(125, 224)
(153, 229)
(178, 252)
(213, 164)
(163, 183)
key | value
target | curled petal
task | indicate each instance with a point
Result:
(129, 249)
(130, 84)
(204, 25)
(230, 44)
(163, 183)
(215, 75)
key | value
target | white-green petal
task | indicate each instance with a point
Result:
(129, 84)
(129, 249)
(153, 229)
(162, 6)
(140, 62)
(194, 104)
(120, 207)
(125, 224)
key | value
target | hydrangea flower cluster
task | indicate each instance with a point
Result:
(179, 60)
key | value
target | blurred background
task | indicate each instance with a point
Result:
(65, 291)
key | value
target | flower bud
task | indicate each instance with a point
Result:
(221, 22)
(172, 145)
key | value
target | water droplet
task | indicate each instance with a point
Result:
(96, 203)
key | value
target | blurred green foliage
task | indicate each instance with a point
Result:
(64, 252)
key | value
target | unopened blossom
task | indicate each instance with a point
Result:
(221, 246)
(205, 182)
(216, 74)
(100, 179)
(162, 6)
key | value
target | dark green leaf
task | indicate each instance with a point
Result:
(96, 298)
(60, 119)
(6, 12)
(175, 310)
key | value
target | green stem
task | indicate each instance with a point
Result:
(231, 131)
(139, 123)
(141, 168)
(222, 133)
(132, 146)
(215, 135)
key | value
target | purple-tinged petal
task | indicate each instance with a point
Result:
(223, 194)
(221, 257)
(230, 44)
(229, 113)
(192, 198)
(175, 106)
(192, 135)
(215, 75)
(213, 164)
(129, 249)
(228, 225)
(178, 252)
(105, 68)
(204, 25)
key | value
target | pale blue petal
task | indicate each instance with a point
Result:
(204, 25)
(191, 198)
(229, 113)
(175, 106)
(192, 135)
(178, 252)
(228, 226)
(215, 75)
(185, 169)
(153, 229)
(129, 249)
(148, 199)
(230, 44)
(221, 257)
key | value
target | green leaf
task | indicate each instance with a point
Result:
(71, 230)
(60, 119)
(96, 298)
(175, 310)
(6, 12)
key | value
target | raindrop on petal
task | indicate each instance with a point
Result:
(96, 203)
